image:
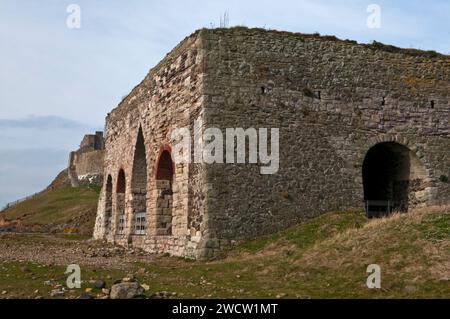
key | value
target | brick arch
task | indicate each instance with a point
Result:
(119, 213)
(121, 181)
(164, 166)
(108, 204)
(139, 184)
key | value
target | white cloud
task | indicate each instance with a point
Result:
(82, 74)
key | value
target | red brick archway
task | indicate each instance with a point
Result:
(164, 167)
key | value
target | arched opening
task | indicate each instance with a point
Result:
(164, 202)
(165, 167)
(108, 204)
(120, 202)
(121, 183)
(139, 186)
(392, 174)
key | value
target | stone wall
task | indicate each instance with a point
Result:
(332, 100)
(86, 168)
(86, 163)
(92, 142)
(168, 98)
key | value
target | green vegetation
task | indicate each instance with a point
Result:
(325, 257)
(413, 52)
(59, 210)
(443, 178)
(307, 92)
(28, 279)
(308, 233)
(435, 228)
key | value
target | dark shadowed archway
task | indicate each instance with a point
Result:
(121, 182)
(120, 202)
(164, 202)
(165, 167)
(108, 204)
(391, 175)
(139, 186)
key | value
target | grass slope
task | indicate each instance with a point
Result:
(326, 257)
(55, 210)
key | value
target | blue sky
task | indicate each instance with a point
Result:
(59, 83)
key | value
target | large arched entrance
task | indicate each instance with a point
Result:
(139, 186)
(164, 202)
(392, 174)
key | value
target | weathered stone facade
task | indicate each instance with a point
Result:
(86, 163)
(356, 122)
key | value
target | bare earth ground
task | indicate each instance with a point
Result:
(326, 257)
(49, 249)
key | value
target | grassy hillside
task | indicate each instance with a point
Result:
(58, 210)
(326, 257)
(61, 180)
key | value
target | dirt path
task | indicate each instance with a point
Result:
(47, 249)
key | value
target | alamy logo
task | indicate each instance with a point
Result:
(214, 146)
(74, 278)
(374, 19)
(374, 279)
(74, 19)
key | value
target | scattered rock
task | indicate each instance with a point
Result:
(98, 284)
(129, 278)
(146, 287)
(106, 291)
(50, 282)
(410, 289)
(141, 271)
(4, 292)
(161, 295)
(57, 293)
(25, 269)
(85, 295)
(126, 290)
